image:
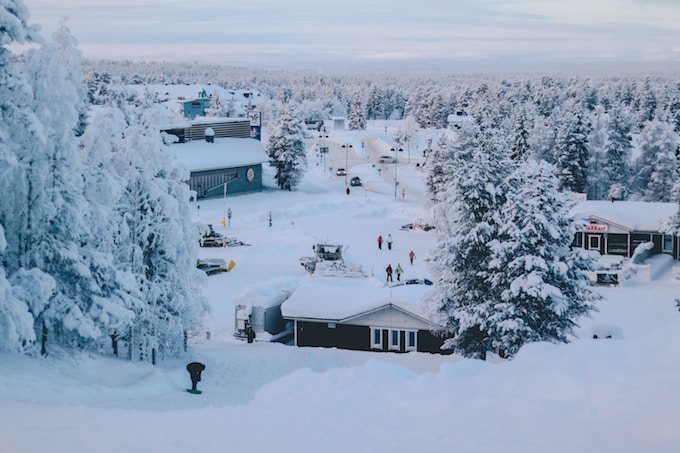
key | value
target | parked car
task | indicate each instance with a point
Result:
(356, 181)
(388, 160)
(418, 281)
(418, 226)
(341, 172)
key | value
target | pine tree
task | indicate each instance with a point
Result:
(157, 244)
(617, 165)
(597, 142)
(571, 152)
(657, 164)
(543, 284)
(466, 221)
(520, 137)
(357, 118)
(287, 149)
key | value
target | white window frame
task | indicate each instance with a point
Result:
(394, 347)
(374, 344)
(415, 340)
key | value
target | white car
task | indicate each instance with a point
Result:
(388, 160)
(341, 172)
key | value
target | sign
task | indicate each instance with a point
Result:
(250, 174)
(255, 118)
(596, 228)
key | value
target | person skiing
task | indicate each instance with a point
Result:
(380, 241)
(399, 271)
(411, 256)
(389, 242)
(389, 273)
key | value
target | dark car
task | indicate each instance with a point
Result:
(356, 181)
(418, 281)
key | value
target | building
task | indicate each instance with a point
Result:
(360, 314)
(618, 228)
(227, 165)
(222, 127)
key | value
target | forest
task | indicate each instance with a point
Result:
(96, 243)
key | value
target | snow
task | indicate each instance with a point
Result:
(199, 155)
(616, 394)
(632, 215)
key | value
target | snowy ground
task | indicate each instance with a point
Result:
(588, 396)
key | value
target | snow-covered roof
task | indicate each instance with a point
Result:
(631, 215)
(199, 155)
(336, 299)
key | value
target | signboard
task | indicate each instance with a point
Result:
(255, 118)
(596, 228)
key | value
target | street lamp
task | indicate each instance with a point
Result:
(346, 147)
(396, 181)
(323, 149)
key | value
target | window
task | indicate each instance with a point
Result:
(394, 339)
(667, 243)
(411, 340)
(376, 338)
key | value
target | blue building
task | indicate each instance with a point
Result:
(196, 107)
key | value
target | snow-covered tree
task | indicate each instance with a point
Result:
(156, 243)
(287, 148)
(597, 142)
(357, 117)
(571, 151)
(406, 133)
(543, 284)
(520, 136)
(466, 221)
(617, 165)
(657, 165)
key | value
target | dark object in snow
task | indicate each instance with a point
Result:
(212, 238)
(250, 333)
(356, 181)
(418, 225)
(214, 265)
(195, 369)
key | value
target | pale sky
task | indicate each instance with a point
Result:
(284, 33)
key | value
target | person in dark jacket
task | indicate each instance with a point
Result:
(250, 333)
(389, 273)
(194, 369)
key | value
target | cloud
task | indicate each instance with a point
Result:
(355, 29)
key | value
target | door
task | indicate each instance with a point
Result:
(594, 242)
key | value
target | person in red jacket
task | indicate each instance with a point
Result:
(389, 273)
(380, 241)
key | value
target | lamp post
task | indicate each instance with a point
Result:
(346, 147)
(396, 160)
(323, 149)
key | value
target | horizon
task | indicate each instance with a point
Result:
(436, 34)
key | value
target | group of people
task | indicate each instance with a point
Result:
(398, 270)
(389, 242)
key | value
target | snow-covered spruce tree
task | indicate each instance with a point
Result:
(617, 165)
(543, 284)
(439, 172)
(287, 148)
(24, 290)
(597, 142)
(520, 135)
(571, 151)
(357, 116)
(82, 307)
(466, 219)
(157, 243)
(657, 165)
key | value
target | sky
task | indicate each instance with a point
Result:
(605, 395)
(379, 32)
